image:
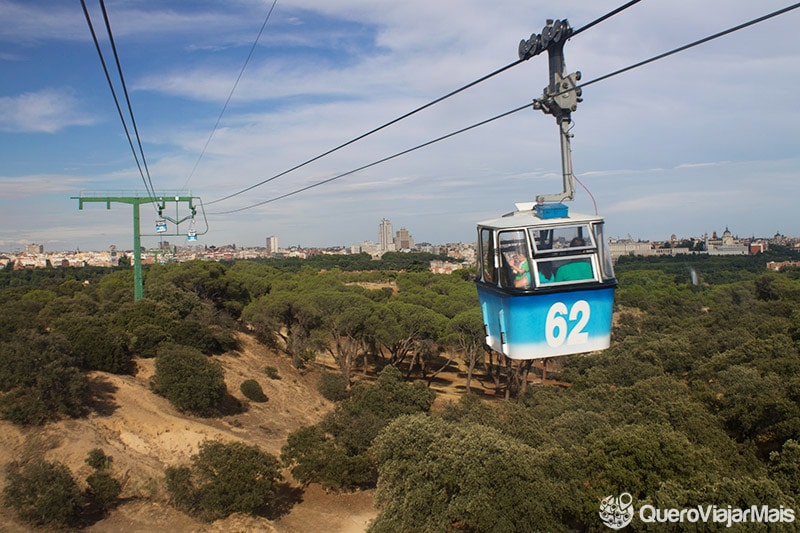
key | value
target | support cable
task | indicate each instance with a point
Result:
(150, 192)
(230, 95)
(127, 97)
(412, 112)
(693, 44)
(375, 130)
(515, 110)
(608, 15)
(398, 154)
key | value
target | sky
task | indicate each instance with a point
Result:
(703, 140)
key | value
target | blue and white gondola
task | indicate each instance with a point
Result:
(545, 282)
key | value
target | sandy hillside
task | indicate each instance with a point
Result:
(144, 434)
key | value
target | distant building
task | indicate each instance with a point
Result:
(620, 247)
(444, 267)
(369, 247)
(727, 245)
(777, 266)
(385, 237)
(272, 245)
(403, 240)
(33, 249)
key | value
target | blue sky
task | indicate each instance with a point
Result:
(694, 143)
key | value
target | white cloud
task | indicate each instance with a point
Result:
(45, 111)
(16, 188)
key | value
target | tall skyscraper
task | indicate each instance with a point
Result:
(272, 244)
(386, 237)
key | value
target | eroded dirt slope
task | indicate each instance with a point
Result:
(144, 434)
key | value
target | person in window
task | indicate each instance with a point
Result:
(577, 269)
(522, 270)
(546, 272)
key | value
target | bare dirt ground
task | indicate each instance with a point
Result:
(144, 434)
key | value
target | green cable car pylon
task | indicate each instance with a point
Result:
(161, 200)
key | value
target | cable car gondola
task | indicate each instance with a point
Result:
(545, 282)
(545, 276)
(191, 234)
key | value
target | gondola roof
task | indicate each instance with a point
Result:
(528, 218)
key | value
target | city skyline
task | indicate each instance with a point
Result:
(274, 242)
(688, 142)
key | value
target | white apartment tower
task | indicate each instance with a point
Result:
(386, 237)
(272, 245)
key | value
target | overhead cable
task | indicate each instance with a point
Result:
(375, 130)
(693, 44)
(410, 113)
(147, 183)
(125, 91)
(230, 95)
(515, 110)
(608, 15)
(388, 158)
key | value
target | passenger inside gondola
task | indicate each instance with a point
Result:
(522, 271)
(575, 269)
(546, 272)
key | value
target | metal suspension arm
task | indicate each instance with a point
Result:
(567, 176)
(560, 98)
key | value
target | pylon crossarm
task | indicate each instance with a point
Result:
(135, 199)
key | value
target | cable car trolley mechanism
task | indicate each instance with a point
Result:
(545, 276)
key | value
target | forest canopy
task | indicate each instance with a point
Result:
(696, 402)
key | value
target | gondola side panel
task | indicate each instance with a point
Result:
(537, 326)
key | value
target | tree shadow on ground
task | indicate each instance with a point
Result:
(231, 405)
(286, 497)
(101, 399)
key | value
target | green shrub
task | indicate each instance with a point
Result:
(39, 379)
(43, 493)
(314, 457)
(224, 479)
(252, 390)
(272, 372)
(180, 488)
(190, 380)
(103, 490)
(95, 344)
(196, 334)
(390, 396)
(146, 338)
(98, 459)
(333, 386)
(335, 452)
(18, 315)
